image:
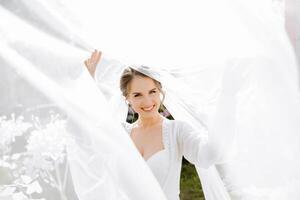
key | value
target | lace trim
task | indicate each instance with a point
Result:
(166, 139)
(165, 134)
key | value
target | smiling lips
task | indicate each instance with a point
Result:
(147, 109)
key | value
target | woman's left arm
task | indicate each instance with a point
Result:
(216, 146)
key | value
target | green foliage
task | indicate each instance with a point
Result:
(190, 187)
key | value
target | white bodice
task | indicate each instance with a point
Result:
(159, 164)
(166, 164)
(159, 161)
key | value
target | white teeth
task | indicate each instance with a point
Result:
(148, 109)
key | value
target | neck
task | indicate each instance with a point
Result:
(149, 121)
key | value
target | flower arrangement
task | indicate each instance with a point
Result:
(32, 157)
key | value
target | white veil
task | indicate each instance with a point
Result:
(56, 103)
(56, 107)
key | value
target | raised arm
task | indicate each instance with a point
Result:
(105, 71)
(92, 62)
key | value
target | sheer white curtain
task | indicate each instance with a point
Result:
(62, 140)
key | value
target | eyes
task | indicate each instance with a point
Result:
(151, 92)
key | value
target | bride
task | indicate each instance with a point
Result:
(213, 147)
(163, 142)
(238, 124)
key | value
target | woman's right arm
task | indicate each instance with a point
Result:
(92, 62)
(105, 71)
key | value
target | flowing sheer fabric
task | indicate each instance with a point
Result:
(63, 140)
(184, 102)
(59, 111)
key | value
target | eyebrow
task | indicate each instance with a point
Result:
(140, 93)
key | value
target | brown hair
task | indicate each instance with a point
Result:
(128, 75)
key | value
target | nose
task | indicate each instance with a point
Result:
(147, 101)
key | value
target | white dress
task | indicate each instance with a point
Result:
(223, 154)
(179, 140)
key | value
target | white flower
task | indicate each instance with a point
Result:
(16, 156)
(26, 179)
(19, 196)
(48, 145)
(34, 187)
(5, 164)
(11, 128)
(44, 151)
(6, 191)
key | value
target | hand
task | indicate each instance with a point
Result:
(92, 62)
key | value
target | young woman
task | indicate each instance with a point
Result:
(163, 142)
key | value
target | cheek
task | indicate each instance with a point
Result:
(135, 104)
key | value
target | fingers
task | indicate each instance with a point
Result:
(88, 63)
(96, 55)
(92, 62)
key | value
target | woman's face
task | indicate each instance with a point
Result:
(144, 96)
